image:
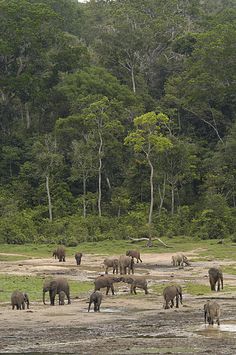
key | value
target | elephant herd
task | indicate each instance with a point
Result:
(124, 265)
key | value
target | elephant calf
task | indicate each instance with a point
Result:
(215, 277)
(136, 281)
(134, 254)
(111, 262)
(211, 312)
(180, 260)
(170, 293)
(96, 299)
(78, 257)
(19, 299)
(106, 281)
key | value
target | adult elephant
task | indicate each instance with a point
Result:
(170, 293)
(54, 287)
(215, 278)
(111, 262)
(125, 262)
(106, 281)
(60, 253)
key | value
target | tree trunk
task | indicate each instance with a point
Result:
(100, 176)
(84, 196)
(151, 192)
(162, 195)
(172, 199)
(27, 115)
(133, 79)
(49, 198)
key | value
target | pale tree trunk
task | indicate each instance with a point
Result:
(49, 198)
(172, 199)
(162, 195)
(133, 80)
(100, 176)
(151, 193)
(149, 244)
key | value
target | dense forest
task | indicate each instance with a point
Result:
(117, 119)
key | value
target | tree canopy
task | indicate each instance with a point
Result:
(117, 119)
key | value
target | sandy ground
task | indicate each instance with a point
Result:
(127, 324)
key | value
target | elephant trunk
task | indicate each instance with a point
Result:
(44, 297)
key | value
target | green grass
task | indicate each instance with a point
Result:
(33, 286)
(196, 289)
(229, 269)
(11, 257)
(210, 248)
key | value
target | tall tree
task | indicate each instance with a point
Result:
(147, 138)
(48, 160)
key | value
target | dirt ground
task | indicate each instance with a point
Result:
(127, 324)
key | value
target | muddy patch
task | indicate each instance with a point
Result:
(127, 324)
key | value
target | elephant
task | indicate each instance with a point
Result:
(106, 281)
(62, 296)
(78, 257)
(211, 312)
(19, 299)
(135, 281)
(126, 262)
(54, 287)
(111, 262)
(96, 299)
(60, 253)
(134, 254)
(215, 276)
(180, 260)
(170, 293)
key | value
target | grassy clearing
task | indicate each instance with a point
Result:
(230, 269)
(11, 257)
(209, 248)
(33, 286)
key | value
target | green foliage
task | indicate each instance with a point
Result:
(83, 88)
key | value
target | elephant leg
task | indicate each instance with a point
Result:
(218, 285)
(167, 305)
(89, 306)
(52, 297)
(137, 261)
(108, 288)
(141, 260)
(212, 283)
(112, 289)
(23, 305)
(131, 289)
(146, 291)
(177, 301)
(134, 288)
(172, 303)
